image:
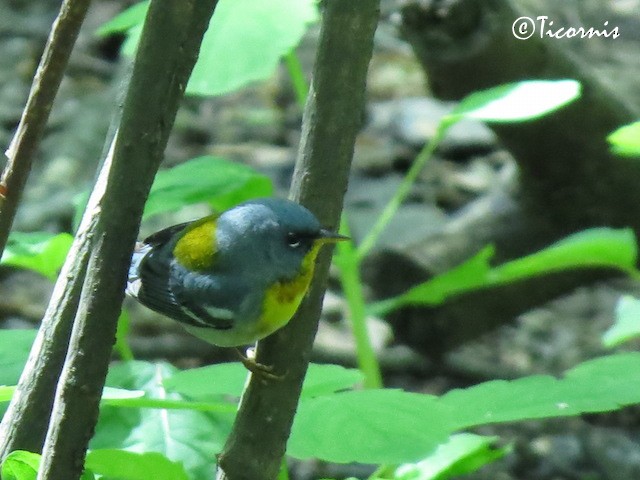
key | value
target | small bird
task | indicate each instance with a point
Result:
(233, 278)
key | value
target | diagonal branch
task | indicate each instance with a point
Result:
(166, 55)
(332, 117)
(34, 117)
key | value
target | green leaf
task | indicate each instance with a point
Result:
(370, 426)
(111, 393)
(469, 275)
(20, 465)
(207, 179)
(41, 252)
(328, 379)
(598, 385)
(595, 247)
(244, 42)
(516, 102)
(126, 20)
(625, 141)
(187, 436)
(627, 323)
(209, 381)
(6, 392)
(134, 466)
(391, 426)
(16, 345)
(230, 378)
(461, 454)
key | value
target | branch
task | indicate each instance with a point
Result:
(332, 118)
(24, 425)
(34, 117)
(167, 52)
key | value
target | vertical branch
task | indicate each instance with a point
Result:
(167, 52)
(34, 117)
(332, 117)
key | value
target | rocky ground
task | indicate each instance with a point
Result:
(260, 126)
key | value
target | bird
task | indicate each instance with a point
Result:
(231, 278)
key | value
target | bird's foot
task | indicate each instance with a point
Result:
(263, 371)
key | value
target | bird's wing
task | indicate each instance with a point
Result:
(151, 271)
(157, 290)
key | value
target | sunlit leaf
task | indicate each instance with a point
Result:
(462, 453)
(627, 322)
(625, 141)
(244, 42)
(20, 465)
(205, 179)
(515, 102)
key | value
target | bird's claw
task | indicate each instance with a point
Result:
(263, 371)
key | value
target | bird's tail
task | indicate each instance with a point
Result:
(134, 283)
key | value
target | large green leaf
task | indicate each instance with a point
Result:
(41, 252)
(187, 436)
(208, 179)
(244, 42)
(125, 465)
(392, 426)
(516, 102)
(369, 426)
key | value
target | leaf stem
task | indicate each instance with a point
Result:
(349, 264)
(403, 190)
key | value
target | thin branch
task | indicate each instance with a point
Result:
(167, 52)
(332, 117)
(24, 425)
(34, 117)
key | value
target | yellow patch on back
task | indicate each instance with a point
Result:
(196, 248)
(283, 298)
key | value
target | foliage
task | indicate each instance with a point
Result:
(462, 453)
(41, 252)
(244, 43)
(207, 179)
(185, 416)
(596, 247)
(625, 141)
(627, 322)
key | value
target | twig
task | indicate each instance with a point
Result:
(167, 52)
(34, 117)
(332, 117)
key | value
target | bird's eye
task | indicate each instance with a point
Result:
(293, 240)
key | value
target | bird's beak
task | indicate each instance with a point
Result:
(327, 236)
